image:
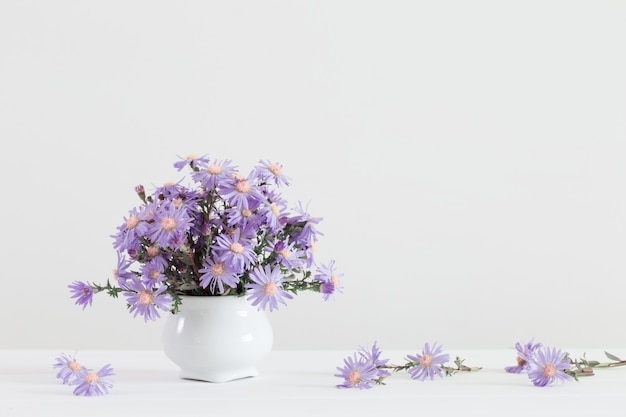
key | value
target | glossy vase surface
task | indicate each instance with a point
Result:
(217, 339)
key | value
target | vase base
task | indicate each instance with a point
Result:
(218, 376)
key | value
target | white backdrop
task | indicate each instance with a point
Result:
(467, 158)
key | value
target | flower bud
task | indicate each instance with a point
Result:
(141, 192)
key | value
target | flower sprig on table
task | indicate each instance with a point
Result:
(88, 382)
(227, 234)
(546, 366)
(365, 368)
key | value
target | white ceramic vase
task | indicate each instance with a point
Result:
(217, 339)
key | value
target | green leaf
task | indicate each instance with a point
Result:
(612, 357)
(603, 365)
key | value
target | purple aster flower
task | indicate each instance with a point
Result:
(235, 250)
(122, 274)
(168, 191)
(266, 288)
(329, 280)
(358, 372)
(83, 293)
(212, 175)
(549, 366)
(525, 355)
(242, 216)
(131, 232)
(145, 300)
(152, 272)
(287, 254)
(93, 383)
(169, 226)
(190, 160)
(373, 355)
(272, 215)
(204, 228)
(248, 232)
(309, 233)
(273, 197)
(268, 171)
(241, 192)
(158, 256)
(68, 368)
(147, 212)
(218, 273)
(428, 363)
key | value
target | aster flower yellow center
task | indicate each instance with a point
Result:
(177, 202)
(334, 280)
(168, 224)
(153, 251)
(236, 247)
(243, 186)
(154, 274)
(274, 209)
(549, 370)
(168, 184)
(270, 288)
(214, 169)
(115, 276)
(92, 377)
(275, 169)
(426, 360)
(247, 213)
(75, 366)
(192, 157)
(218, 269)
(146, 297)
(354, 377)
(285, 253)
(132, 222)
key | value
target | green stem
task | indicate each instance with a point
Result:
(108, 288)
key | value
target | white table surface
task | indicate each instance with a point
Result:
(301, 383)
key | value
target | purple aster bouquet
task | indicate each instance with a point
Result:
(227, 235)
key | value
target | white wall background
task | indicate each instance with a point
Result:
(467, 158)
